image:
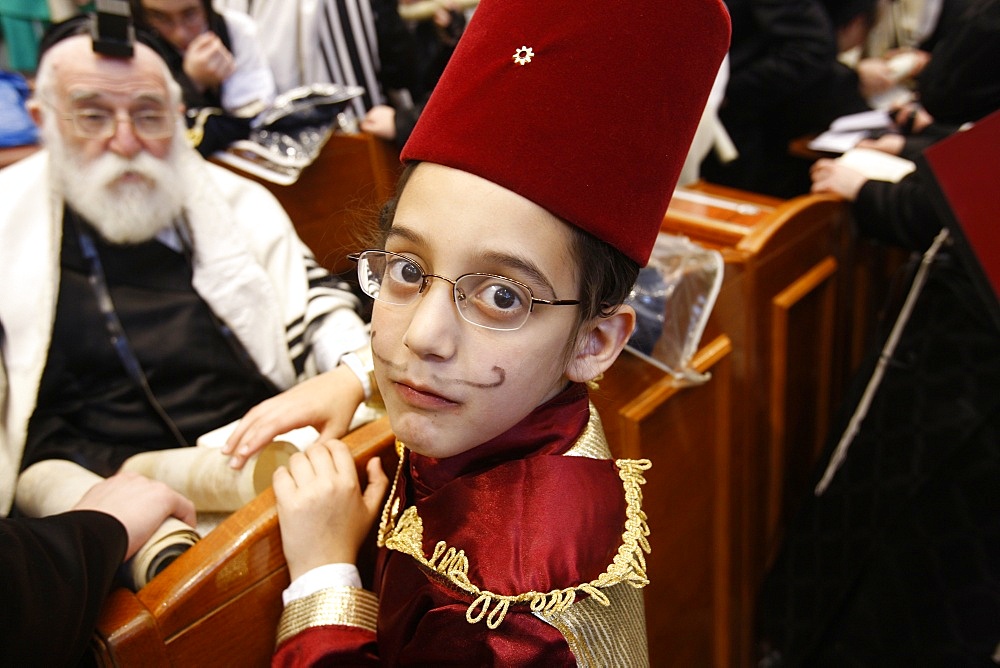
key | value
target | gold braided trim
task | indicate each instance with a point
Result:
(602, 636)
(591, 443)
(341, 606)
(197, 131)
(390, 511)
(404, 533)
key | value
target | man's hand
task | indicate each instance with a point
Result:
(327, 402)
(207, 61)
(323, 512)
(138, 503)
(875, 76)
(891, 143)
(380, 121)
(829, 176)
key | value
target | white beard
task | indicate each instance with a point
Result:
(122, 212)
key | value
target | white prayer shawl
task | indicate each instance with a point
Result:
(251, 85)
(248, 265)
(307, 42)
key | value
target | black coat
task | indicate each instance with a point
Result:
(785, 82)
(55, 573)
(897, 563)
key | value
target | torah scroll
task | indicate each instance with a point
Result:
(56, 485)
(204, 476)
(201, 474)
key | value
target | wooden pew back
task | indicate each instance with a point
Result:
(219, 602)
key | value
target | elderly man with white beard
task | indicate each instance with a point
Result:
(147, 296)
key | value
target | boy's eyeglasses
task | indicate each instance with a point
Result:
(486, 300)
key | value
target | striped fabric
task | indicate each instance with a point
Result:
(319, 41)
(326, 294)
(348, 49)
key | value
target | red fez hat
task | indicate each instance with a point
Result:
(586, 108)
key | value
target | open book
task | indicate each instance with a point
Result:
(877, 165)
(845, 132)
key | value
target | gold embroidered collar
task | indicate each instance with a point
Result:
(404, 533)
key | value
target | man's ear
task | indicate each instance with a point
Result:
(599, 346)
(34, 108)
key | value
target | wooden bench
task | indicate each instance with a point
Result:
(217, 604)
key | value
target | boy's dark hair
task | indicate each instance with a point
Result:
(606, 275)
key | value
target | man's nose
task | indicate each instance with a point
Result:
(124, 141)
(181, 35)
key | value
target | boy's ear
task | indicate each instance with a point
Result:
(599, 347)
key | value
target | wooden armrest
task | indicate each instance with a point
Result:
(219, 602)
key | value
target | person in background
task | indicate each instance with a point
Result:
(434, 41)
(898, 47)
(217, 59)
(149, 296)
(358, 43)
(894, 558)
(785, 82)
(959, 85)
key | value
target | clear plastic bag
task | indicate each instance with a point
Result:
(673, 298)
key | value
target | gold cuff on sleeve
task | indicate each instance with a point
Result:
(340, 606)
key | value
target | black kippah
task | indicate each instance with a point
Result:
(84, 24)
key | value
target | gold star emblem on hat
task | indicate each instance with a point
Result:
(524, 55)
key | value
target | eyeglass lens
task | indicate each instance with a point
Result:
(98, 123)
(482, 299)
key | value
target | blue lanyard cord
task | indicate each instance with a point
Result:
(115, 330)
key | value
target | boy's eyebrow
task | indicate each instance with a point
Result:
(404, 232)
(508, 260)
(521, 264)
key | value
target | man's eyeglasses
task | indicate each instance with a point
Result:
(486, 300)
(90, 123)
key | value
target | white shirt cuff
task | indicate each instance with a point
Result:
(322, 577)
(354, 363)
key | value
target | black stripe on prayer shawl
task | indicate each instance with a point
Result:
(295, 334)
(349, 49)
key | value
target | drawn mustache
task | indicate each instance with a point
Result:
(500, 372)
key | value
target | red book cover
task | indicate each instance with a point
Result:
(966, 167)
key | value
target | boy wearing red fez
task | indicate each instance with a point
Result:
(537, 179)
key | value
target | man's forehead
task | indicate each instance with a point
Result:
(81, 95)
(80, 71)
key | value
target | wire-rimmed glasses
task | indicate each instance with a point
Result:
(96, 123)
(486, 300)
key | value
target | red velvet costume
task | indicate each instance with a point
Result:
(529, 549)
(539, 517)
